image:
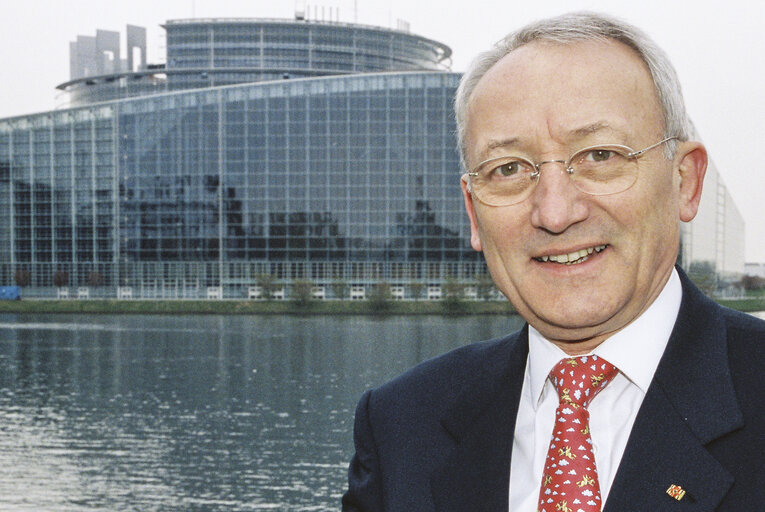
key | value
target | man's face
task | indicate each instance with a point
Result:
(543, 102)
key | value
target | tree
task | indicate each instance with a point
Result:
(703, 275)
(452, 294)
(61, 279)
(339, 288)
(267, 285)
(95, 279)
(416, 288)
(484, 286)
(379, 297)
(22, 277)
(301, 291)
(752, 283)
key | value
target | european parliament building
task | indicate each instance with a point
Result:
(296, 149)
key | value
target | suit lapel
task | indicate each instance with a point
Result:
(690, 402)
(476, 474)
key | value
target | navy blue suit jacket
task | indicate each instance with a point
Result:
(439, 437)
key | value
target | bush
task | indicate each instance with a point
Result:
(95, 279)
(267, 284)
(752, 283)
(301, 291)
(416, 288)
(452, 294)
(379, 297)
(703, 275)
(339, 289)
(22, 277)
(484, 286)
(61, 279)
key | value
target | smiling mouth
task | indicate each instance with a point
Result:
(572, 258)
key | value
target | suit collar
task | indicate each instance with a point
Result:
(694, 371)
(476, 475)
(690, 402)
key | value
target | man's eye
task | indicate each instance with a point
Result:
(599, 155)
(507, 169)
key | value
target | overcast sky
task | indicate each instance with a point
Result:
(717, 47)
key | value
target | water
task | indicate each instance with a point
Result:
(157, 413)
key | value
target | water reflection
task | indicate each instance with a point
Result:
(195, 413)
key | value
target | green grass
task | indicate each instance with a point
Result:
(235, 307)
(288, 307)
(748, 305)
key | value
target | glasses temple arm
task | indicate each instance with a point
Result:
(636, 154)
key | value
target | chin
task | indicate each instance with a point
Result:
(577, 323)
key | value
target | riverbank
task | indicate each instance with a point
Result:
(287, 307)
(745, 305)
(250, 307)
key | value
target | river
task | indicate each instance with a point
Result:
(196, 413)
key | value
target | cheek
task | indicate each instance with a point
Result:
(493, 230)
(650, 220)
(502, 241)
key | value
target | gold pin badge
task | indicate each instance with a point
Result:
(676, 492)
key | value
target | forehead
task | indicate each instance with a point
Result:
(546, 91)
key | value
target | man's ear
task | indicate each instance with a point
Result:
(692, 166)
(475, 237)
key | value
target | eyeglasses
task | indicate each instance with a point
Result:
(595, 170)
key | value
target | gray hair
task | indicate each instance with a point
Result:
(577, 27)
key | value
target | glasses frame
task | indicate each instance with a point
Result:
(630, 153)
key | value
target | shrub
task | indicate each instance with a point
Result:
(380, 297)
(484, 286)
(703, 275)
(300, 291)
(452, 294)
(339, 288)
(95, 279)
(22, 277)
(416, 288)
(61, 279)
(267, 284)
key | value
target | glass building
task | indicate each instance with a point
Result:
(299, 150)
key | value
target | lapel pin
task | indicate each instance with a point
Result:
(676, 492)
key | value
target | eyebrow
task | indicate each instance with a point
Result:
(589, 129)
(575, 134)
(504, 143)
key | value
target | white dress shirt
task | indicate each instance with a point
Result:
(635, 351)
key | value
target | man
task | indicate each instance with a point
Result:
(580, 169)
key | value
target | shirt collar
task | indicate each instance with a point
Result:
(634, 350)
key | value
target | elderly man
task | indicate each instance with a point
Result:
(627, 389)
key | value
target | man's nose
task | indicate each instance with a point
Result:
(556, 202)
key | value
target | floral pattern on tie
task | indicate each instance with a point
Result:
(570, 480)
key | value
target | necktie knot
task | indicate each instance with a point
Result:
(578, 379)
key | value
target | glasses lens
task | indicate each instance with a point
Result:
(603, 170)
(503, 181)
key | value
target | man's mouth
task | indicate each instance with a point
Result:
(572, 258)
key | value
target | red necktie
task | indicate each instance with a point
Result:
(570, 480)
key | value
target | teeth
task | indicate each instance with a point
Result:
(572, 257)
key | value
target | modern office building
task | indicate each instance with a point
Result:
(334, 160)
(716, 235)
(296, 149)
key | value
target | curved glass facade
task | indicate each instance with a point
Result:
(351, 178)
